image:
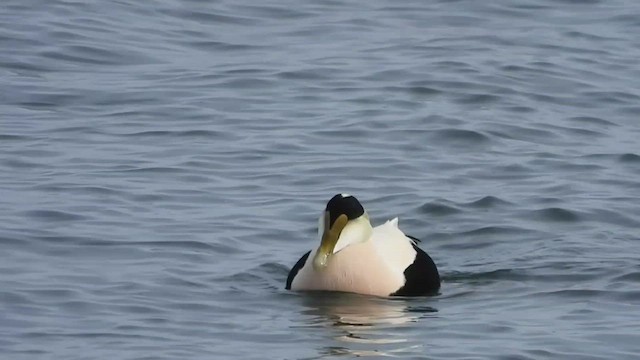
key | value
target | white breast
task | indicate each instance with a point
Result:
(372, 267)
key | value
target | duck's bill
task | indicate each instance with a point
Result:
(329, 240)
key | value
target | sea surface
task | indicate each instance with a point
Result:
(163, 165)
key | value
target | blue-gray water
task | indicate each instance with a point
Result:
(163, 165)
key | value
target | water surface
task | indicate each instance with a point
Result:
(163, 165)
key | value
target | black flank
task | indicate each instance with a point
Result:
(295, 269)
(422, 277)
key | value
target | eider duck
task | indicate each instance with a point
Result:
(355, 257)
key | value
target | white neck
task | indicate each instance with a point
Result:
(356, 231)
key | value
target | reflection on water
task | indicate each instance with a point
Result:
(363, 325)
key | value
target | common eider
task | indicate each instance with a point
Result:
(355, 257)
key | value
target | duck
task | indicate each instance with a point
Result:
(355, 257)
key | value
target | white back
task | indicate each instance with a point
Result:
(394, 246)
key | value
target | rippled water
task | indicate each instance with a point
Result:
(164, 163)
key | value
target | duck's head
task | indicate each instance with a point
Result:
(343, 223)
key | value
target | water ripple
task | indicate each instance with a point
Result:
(54, 215)
(488, 202)
(164, 166)
(555, 214)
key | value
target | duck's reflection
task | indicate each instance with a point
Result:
(365, 325)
